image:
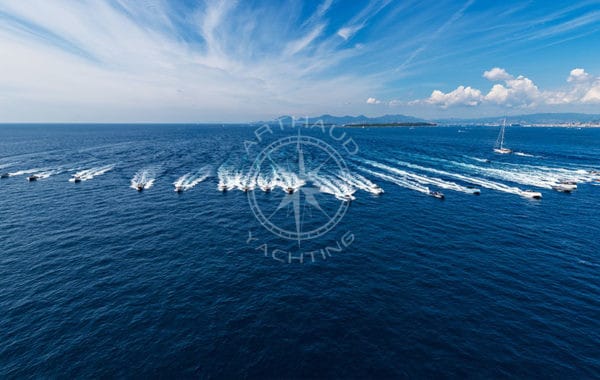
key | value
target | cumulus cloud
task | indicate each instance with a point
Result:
(593, 94)
(519, 92)
(578, 75)
(465, 96)
(497, 74)
(373, 101)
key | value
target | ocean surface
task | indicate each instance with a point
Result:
(100, 280)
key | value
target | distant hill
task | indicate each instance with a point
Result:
(359, 120)
(537, 118)
(400, 120)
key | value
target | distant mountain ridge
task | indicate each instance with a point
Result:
(360, 119)
(536, 118)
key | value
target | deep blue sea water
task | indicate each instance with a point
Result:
(100, 280)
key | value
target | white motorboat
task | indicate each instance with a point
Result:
(345, 197)
(375, 189)
(532, 194)
(437, 194)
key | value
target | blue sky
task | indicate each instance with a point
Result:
(203, 61)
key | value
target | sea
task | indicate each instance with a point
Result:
(332, 280)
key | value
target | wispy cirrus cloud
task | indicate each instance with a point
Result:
(120, 60)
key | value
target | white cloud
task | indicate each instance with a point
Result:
(373, 101)
(517, 92)
(462, 96)
(520, 92)
(593, 94)
(95, 57)
(497, 74)
(578, 75)
(348, 31)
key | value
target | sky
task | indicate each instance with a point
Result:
(237, 61)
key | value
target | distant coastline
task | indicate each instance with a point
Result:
(400, 124)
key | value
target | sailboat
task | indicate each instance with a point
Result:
(499, 146)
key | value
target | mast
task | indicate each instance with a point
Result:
(503, 128)
(500, 139)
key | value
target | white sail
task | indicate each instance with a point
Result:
(499, 146)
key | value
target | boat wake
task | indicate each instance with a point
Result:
(88, 174)
(422, 179)
(287, 180)
(189, 180)
(359, 182)
(24, 172)
(143, 179)
(523, 154)
(46, 173)
(402, 182)
(335, 186)
(488, 184)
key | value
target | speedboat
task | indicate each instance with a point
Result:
(178, 188)
(568, 182)
(532, 194)
(139, 187)
(32, 178)
(437, 194)
(4, 175)
(265, 188)
(375, 189)
(289, 190)
(563, 188)
(76, 179)
(222, 187)
(346, 197)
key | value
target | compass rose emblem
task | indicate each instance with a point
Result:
(297, 213)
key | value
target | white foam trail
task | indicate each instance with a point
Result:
(87, 174)
(423, 180)
(477, 159)
(47, 173)
(189, 180)
(330, 185)
(523, 154)
(144, 177)
(269, 180)
(398, 181)
(475, 181)
(287, 179)
(27, 171)
(538, 176)
(225, 177)
(360, 182)
(531, 178)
